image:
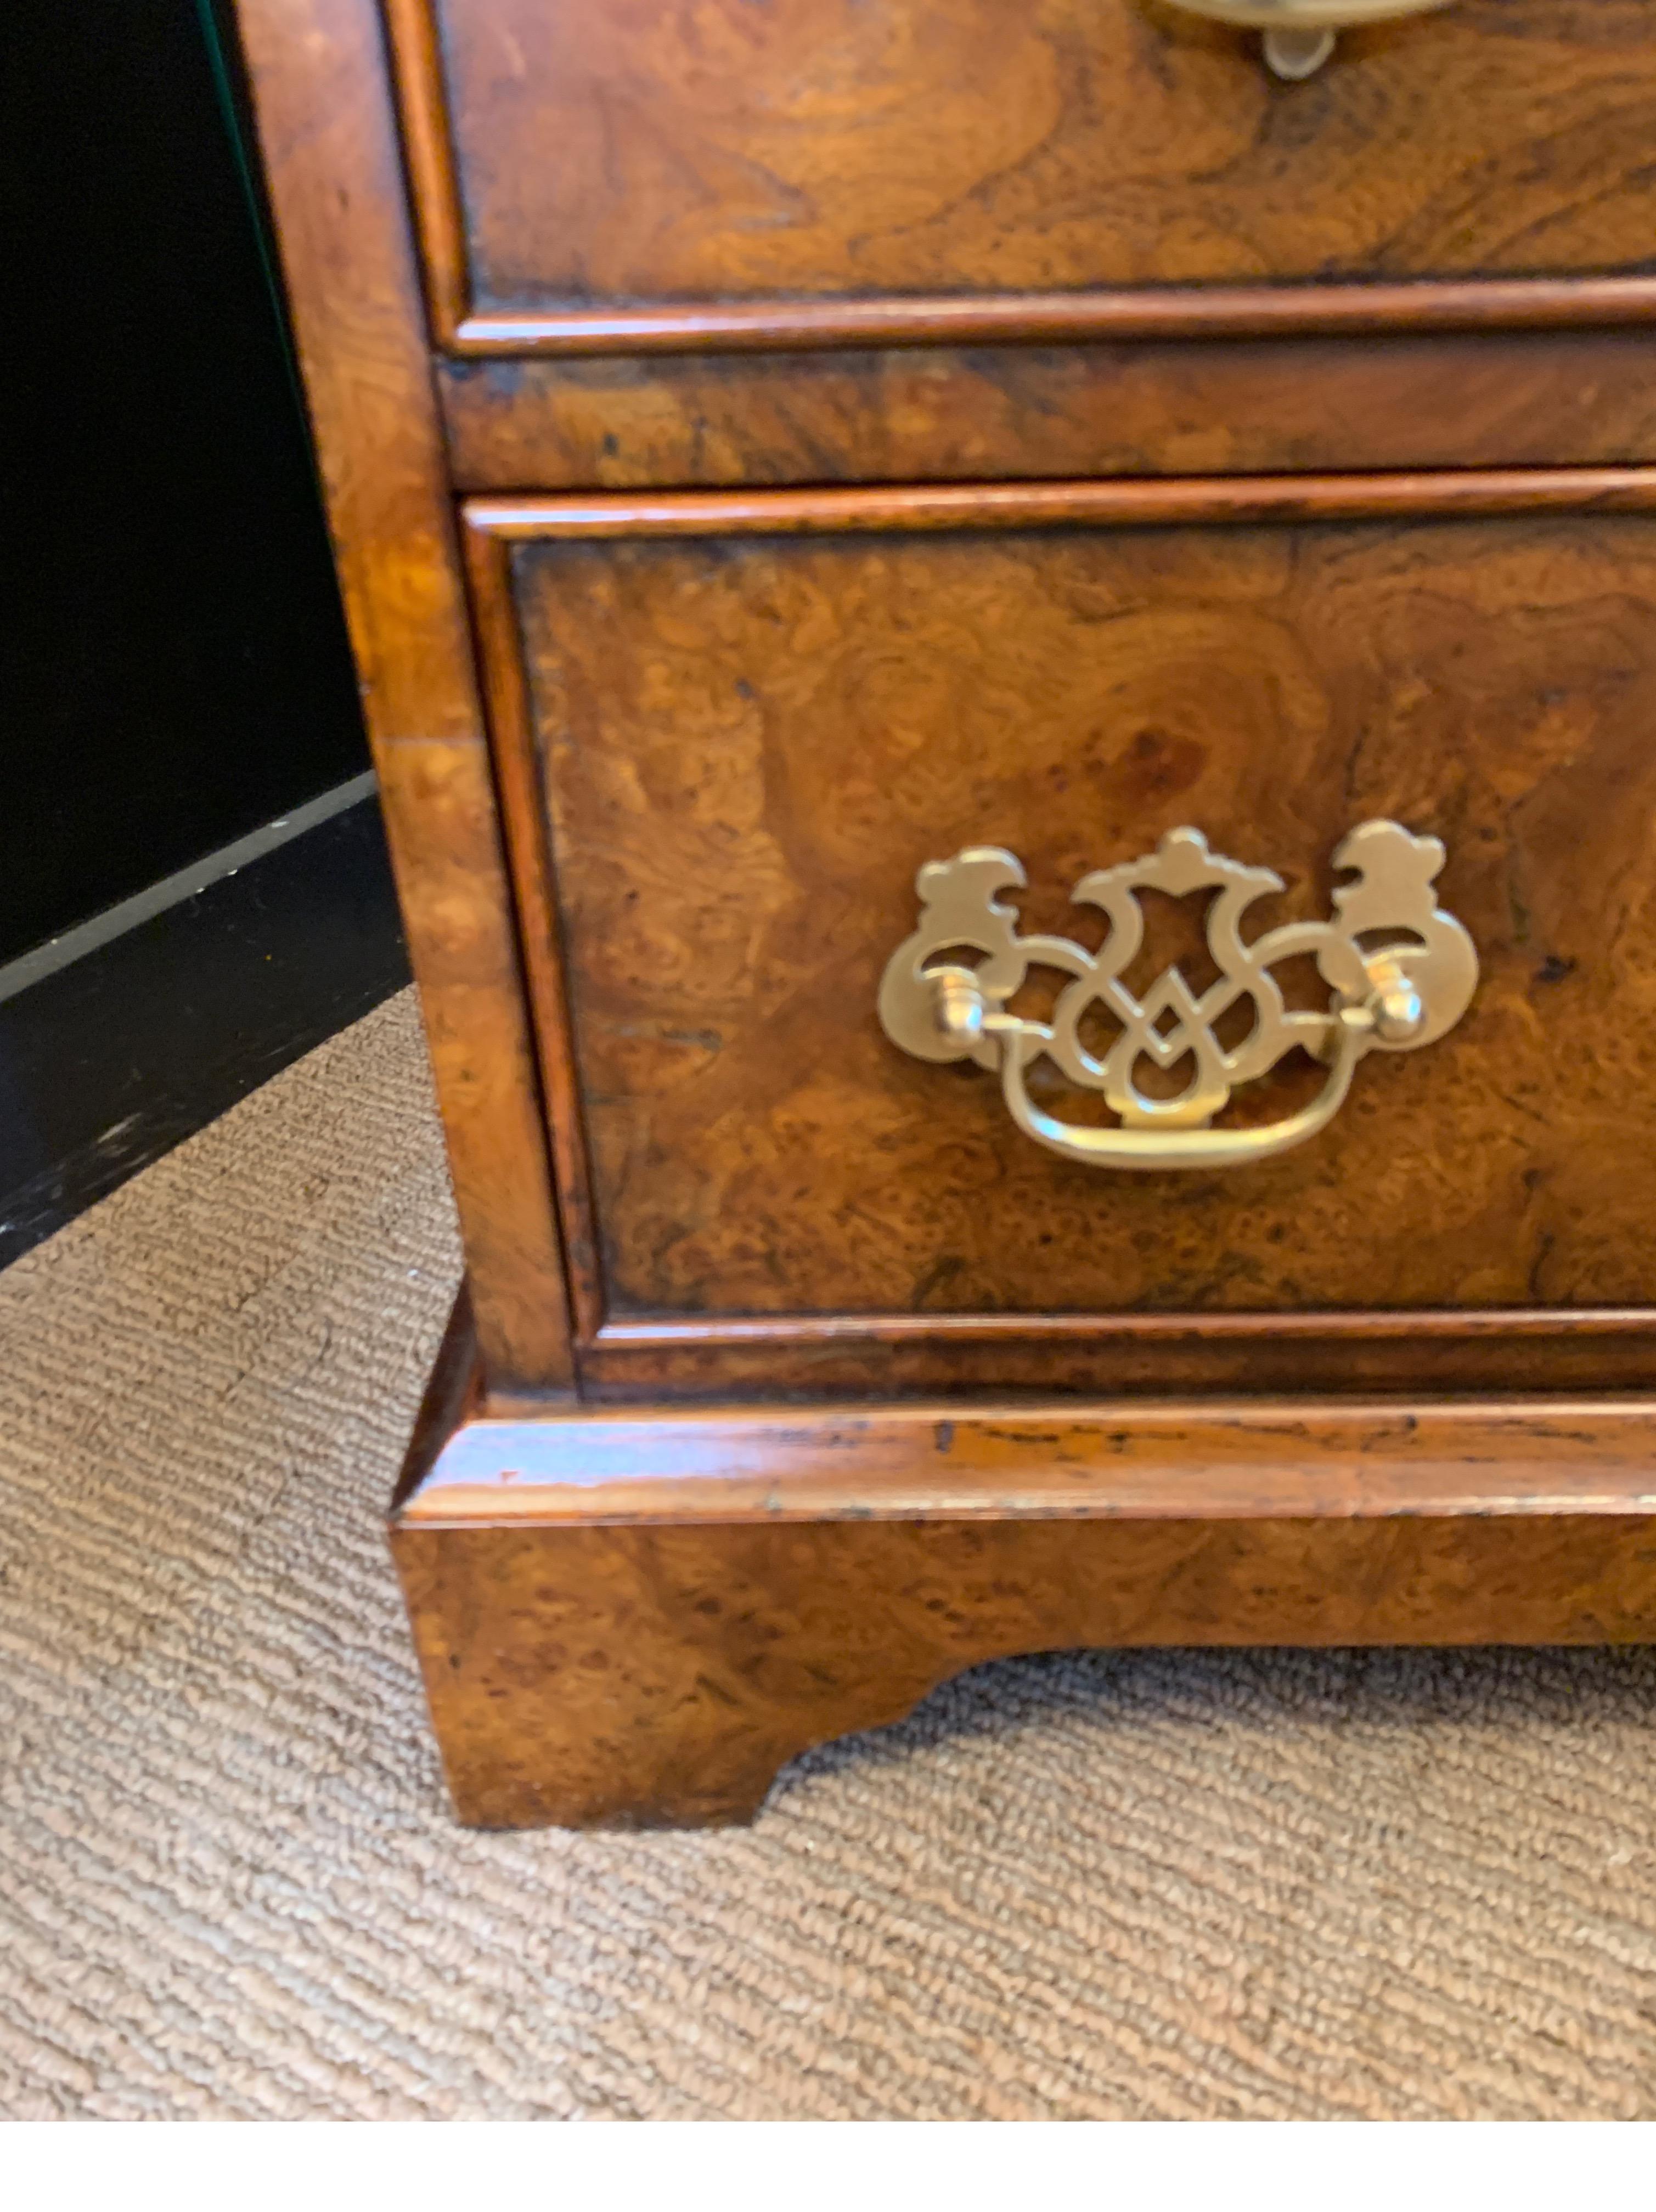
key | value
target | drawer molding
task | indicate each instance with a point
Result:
(1039, 318)
(634, 1358)
(1124, 503)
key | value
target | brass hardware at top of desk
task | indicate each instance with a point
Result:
(1299, 35)
(1402, 972)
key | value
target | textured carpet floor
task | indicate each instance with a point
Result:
(1243, 1887)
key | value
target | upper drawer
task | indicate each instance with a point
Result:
(605, 173)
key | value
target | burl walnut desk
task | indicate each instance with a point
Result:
(1012, 650)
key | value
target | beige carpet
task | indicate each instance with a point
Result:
(1240, 1887)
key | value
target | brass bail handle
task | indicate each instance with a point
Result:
(1401, 973)
(1299, 35)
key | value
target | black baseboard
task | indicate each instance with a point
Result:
(118, 1057)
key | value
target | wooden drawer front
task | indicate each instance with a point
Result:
(654, 170)
(755, 719)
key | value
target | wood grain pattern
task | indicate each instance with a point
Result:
(1250, 406)
(335, 187)
(667, 1609)
(797, 169)
(753, 741)
(647, 1677)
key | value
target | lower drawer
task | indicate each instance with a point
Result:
(739, 727)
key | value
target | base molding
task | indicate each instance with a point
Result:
(635, 1618)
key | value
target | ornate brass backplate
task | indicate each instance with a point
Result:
(1402, 973)
(1299, 35)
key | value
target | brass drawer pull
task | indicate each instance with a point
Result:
(1402, 971)
(1299, 35)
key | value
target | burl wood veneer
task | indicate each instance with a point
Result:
(574, 157)
(1156, 407)
(624, 1621)
(771, 449)
(748, 739)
